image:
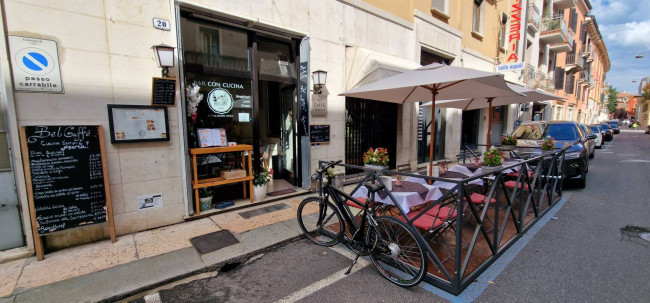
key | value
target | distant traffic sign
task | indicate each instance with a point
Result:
(35, 64)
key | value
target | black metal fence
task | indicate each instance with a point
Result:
(479, 217)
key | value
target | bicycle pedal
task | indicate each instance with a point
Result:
(353, 262)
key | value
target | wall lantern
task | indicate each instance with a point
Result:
(165, 57)
(319, 77)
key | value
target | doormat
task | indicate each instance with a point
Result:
(281, 192)
(263, 210)
(213, 241)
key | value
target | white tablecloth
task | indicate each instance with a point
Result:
(443, 184)
(405, 200)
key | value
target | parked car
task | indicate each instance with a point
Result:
(591, 144)
(609, 133)
(615, 125)
(576, 160)
(600, 137)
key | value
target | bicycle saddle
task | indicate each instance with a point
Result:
(373, 188)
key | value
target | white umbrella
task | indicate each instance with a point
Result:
(526, 95)
(434, 81)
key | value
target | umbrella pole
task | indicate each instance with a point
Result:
(433, 130)
(489, 132)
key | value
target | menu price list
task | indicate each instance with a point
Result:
(67, 176)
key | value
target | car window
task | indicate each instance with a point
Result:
(529, 132)
(585, 129)
(562, 132)
(614, 123)
(594, 128)
(605, 126)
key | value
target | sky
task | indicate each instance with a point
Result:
(625, 26)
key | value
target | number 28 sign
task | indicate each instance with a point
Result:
(162, 24)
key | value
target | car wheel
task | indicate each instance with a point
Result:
(586, 166)
(592, 155)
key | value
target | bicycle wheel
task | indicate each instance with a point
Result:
(320, 222)
(399, 255)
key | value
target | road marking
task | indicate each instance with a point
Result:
(605, 152)
(319, 285)
(627, 155)
(636, 161)
(153, 298)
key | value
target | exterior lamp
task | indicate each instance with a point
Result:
(319, 77)
(165, 57)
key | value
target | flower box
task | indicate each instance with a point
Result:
(233, 174)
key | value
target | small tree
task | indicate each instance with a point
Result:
(611, 101)
(646, 91)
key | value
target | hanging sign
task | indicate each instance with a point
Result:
(35, 65)
(514, 34)
(318, 105)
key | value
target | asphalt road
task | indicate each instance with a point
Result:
(583, 256)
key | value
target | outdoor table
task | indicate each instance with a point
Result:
(407, 194)
(451, 174)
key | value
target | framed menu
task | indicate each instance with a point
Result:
(137, 123)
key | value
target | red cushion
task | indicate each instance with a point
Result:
(511, 184)
(442, 212)
(515, 174)
(477, 198)
(352, 204)
(425, 222)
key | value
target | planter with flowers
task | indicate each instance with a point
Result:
(205, 199)
(261, 178)
(493, 159)
(376, 159)
(193, 98)
(548, 145)
(508, 143)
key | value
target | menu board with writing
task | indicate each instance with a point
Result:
(319, 133)
(163, 91)
(65, 166)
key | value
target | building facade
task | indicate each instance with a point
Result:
(248, 63)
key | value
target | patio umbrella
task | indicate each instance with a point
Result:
(525, 95)
(434, 81)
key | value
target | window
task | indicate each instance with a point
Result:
(440, 6)
(477, 21)
(215, 46)
(502, 37)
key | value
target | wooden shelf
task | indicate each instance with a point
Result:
(245, 151)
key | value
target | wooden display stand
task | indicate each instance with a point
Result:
(201, 183)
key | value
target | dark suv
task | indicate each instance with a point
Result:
(576, 161)
(615, 126)
(609, 132)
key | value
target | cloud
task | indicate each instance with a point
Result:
(610, 10)
(628, 34)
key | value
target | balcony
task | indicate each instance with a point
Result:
(573, 63)
(584, 76)
(563, 4)
(556, 34)
(529, 73)
(533, 18)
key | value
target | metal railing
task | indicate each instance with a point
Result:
(533, 15)
(477, 230)
(556, 23)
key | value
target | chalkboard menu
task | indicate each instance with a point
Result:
(67, 176)
(163, 91)
(319, 133)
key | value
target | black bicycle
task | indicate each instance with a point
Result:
(391, 244)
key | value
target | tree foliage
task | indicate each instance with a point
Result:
(611, 100)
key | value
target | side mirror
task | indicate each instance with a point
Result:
(591, 137)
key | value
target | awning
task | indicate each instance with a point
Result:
(363, 66)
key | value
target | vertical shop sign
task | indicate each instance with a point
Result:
(420, 123)
(303, 102)
(515, 31)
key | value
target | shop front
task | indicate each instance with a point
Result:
(241, 85)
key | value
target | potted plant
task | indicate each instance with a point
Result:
(261, 177)
(376, 158)
(508, 143)
(548, 145)
(205, 199)
(492, 159)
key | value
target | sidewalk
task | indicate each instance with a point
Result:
(105, 271)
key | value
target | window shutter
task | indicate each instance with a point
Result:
(559, 78)
(439, 5)
(583, 34)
